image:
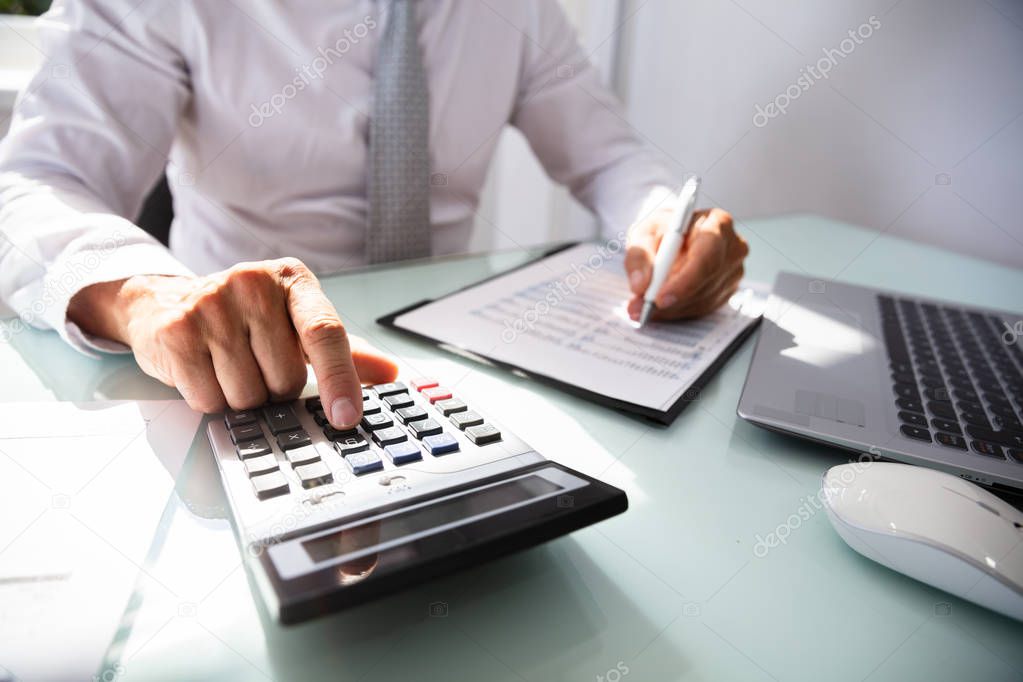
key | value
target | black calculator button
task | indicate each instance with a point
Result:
(404, 452)
(366, 395)
(450, 406)
(233, 419)
(389, 436)
(424, 428)
(370, 407)
(246, 432)
(280, 418)
(290, 440)
(916, 432)
(364, 462)
(270, 485)
(984, 448)
(372, 422)
(253, 448)
(410, 414)
(314, 474)
(351, 445)
(464, 420)
(302, 455)
(485, 433)
(313, 404)
(264, 464)
(398, 401)
(393, 388)
(336, 434)
(321, 418)
(951, 440)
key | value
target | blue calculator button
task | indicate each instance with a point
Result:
(364, 462)
(441, 444)
(403, 453)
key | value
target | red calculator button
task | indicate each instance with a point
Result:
(436, 393)
(424, 382)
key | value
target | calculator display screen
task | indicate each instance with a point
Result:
(451, 510)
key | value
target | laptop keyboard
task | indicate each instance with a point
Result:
(399, 424)
(957, 381)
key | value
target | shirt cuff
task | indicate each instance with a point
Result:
(107, 261)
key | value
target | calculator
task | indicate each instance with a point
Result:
(426, 484)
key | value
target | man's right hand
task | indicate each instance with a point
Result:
(237, 338)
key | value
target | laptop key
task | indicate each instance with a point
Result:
(253, 448)
(906, 391)
(911, 405)
(1007, 438)
(280, 418)
(314, 474)
(949, 425)
(916, 432)
(488, 433)
(1015, 455)
(984, 448)
(246, 432)
(270, 485)
(912, 418)
(293, 439)
(951, 440)
(975, 418)
(943, 410)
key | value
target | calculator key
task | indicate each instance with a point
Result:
(487, 433)
(314, 474)
(370, 407)
(398, 401)
(302, 455)
(321, 418)
(450, 406)
(393, 388)
(436, 393)
(441, 444)
(270, 485)
(410, 414)
(233, 419)
(254, 466)
(951, 440)
(364, 462)
(246, 432)
(389, 436)
(366, 395)
(280, 418)
(313, 404)
(372, 422)
(916, 432)
(426, 427)
(290, 440)
(253, 448)
(423, 382)
(334, 434)
(403, 453)
(351, 445)
(464, 420)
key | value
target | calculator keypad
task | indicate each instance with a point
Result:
(395, 420)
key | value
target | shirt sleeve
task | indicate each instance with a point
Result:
(89, 138)
(578, 131)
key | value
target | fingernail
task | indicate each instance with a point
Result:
(636, 280)
(667, 301)
(342, 412)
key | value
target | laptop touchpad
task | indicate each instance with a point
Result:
(833, 407)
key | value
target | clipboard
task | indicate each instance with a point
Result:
(643, 412)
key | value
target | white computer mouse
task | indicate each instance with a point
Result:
(932, 526)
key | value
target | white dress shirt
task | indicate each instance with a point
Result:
(258, 112)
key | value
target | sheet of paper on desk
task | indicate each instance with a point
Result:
(565, 317)
(82, 489)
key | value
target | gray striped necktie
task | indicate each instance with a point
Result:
(399, 154)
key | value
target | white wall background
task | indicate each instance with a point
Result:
(917, 132)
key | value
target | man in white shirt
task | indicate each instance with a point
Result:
(260, 114)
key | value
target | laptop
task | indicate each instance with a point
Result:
(901, 377)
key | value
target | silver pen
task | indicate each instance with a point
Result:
(670, 243)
